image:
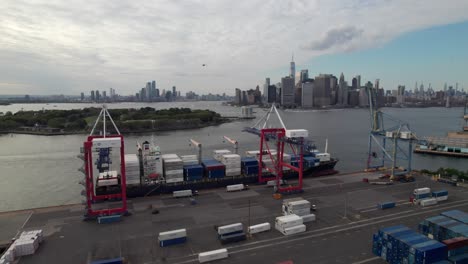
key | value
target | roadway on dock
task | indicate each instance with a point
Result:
(346, 219)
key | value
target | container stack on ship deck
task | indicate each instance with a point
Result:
(232, 162)
(249, 166)
(213, 169)
(132, 169)
(173, 168)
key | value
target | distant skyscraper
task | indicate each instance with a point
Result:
(307, 94)
(174, 92)
(292, 69)
(271, 94)
(82, 96)
(238, 97)
(148, 91)
(304, 75)
(322, 90)
(153, 88)
(104, 94)
(143, 94)
(377, 84)
(342, 91)
(157, 92)
(287, 91)
(266, 89)
(93, 97)
(358, 79)
(98, 96)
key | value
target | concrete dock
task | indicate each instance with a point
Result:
(346, 219)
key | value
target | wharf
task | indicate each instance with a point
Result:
(443, 153)
(346, 219)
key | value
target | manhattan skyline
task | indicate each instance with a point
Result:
(67, 48)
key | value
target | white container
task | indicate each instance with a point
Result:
(299, 212)
(441, 198)
(107, 182)
(169, 156)
(294, 230)
(106, 142)
(182, 193)
(218, 154)
(288, 221)
(422, 191)
(259, 228)
(405, 135)
(296, 205)
(390, 134)
(235, 187)
(296, 133)
(173, 180)
(172, 234)
(230, 228)
(174, 172)
(212, 255)
(428, 202)
(308, 218)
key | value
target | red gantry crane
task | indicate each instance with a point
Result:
(103, 146)
(279, 138)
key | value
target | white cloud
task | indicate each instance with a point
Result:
(72, 46)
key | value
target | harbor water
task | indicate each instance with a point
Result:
(38, 171)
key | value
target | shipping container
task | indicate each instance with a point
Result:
(229, 229)
(460, 259)
(109, 219)
(232, 238)
(386, 205)
(283, 222)
(173, 241)
(422, 190)
(172, 234)
(182, 193)
(428, 202)
(212, 255)
(457, 215)
(308, 218)
(293, 230)
(259, 228)
(439, 193)
(235, 187)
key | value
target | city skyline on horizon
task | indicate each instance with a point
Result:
(40, 57)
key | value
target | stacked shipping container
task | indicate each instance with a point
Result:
(232, 162)
(173, 168)
(399, 244)
(213, 168)
(132, 169)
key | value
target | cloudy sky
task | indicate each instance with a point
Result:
(65, 47)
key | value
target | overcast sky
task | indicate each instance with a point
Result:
(66, 47)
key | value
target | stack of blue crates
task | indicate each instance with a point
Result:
(213, 168)
(193, 172)
(249, 166)
(399, 244)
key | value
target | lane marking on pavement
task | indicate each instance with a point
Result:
(366, 260)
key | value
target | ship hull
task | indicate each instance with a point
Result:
(324, 168)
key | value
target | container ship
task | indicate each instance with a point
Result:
(455, 144)
(151, 172)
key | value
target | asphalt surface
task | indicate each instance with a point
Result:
(346, 219)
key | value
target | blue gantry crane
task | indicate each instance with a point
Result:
(390, 140)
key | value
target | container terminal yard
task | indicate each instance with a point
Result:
(347, 217)
(332, 219)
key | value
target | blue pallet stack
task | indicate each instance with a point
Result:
(213, 168)
(249, 166)
(399, 244)
(193, 172)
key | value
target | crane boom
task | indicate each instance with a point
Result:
(233, 142)
(199, 146)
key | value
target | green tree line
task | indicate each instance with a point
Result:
(126, 119)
